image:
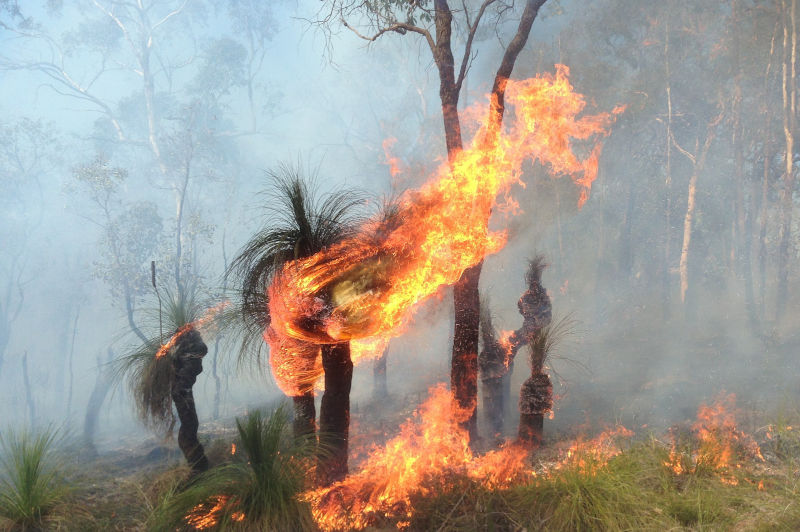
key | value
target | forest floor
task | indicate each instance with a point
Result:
(733, 466)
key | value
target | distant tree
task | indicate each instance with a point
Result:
(130, 234)
(28, 150)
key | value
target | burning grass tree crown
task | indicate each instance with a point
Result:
(302, 223)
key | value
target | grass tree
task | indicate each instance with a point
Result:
(302, 225)
(162, 371)
(257, 490)
(31, 483)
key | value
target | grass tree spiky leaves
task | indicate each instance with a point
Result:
(258, 490)
(31, 478)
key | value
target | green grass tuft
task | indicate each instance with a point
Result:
(31, 480)
(257, 491)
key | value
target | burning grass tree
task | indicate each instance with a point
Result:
(162, 375)
(497, 356)
(536, 394)
(303, 227)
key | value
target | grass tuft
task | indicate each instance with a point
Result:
(31, 481)
(257, 491)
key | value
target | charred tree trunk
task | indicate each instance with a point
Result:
(188, 362)
(535, 400)
(493, 369)
(305, 415)
(334, 417)
(102, 385)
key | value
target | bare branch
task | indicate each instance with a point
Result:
(397, 27)
(472, 29)
(170, 15)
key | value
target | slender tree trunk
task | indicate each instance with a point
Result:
(788, 177)
(666, 288)
(687, 235)
(380, 389)
(71, 359)
(466, 299)
(102, 385)
(334, 417)
(28, 392)
(698, 166)
(764, 203)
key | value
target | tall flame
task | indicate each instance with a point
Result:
(430, 448)
(368, 286)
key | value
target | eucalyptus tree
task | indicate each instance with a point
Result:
(435, 22)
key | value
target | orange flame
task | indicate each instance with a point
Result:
(209, 315)
(369, 286)
(207, 515)
(719, 441)
(589, 456)
(430, 447)
(392, 160)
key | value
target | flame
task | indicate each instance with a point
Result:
(430, 448)
(392, 160)
(206, 318)
(207, 514)
(589, 456)
(233, 448)
(719, 442)
(369, 286)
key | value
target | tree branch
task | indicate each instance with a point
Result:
(468, 47)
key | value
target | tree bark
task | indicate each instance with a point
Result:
(535, 400)
(334, 417)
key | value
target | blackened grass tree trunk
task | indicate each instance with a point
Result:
(334, 416)
(536, 394)
(494, 366)
(496, 360)
(302, 226)
(187, 362)
(161, 375)
(384, 19)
